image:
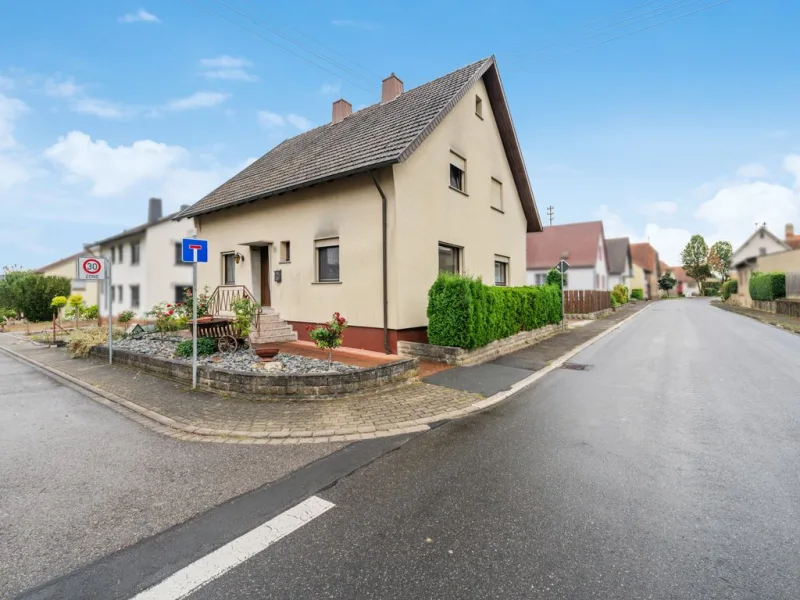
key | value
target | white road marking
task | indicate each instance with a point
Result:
(210, 567)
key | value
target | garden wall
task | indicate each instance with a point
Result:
(296, 386)
(460, 356)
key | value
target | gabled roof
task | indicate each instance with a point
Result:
(578, 240)
(645, 256)
(59, 262)
(133, 231)
(736, 261)
(377, 136)
(619, 255)
(679, 273)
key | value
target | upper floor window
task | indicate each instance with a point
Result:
(458, 172)
(479, 106)
(497, 195)
(113, 254)
(762, 251)
(135, 253)
(120, 253)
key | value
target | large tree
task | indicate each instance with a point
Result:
(719, 259)
(695, 260)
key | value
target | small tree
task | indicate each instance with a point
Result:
(75, 302)
(329, 335)
(553, 278)
(719, 259)
(695, 260)
(666, 282)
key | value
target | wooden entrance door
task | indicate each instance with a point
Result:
(265, 297)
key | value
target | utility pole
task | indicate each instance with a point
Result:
(550, 213)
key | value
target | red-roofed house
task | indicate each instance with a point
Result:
(646, 257)
(583, 245)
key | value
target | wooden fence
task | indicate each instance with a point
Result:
(581, 302)
(793, 284)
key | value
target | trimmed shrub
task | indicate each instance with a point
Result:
(637, 294)
(553, 278)
(465, 313)
(711, 288)
(91, 313)
(620, 294)
(32, 293)
(729, 288)
(205, 347)
(767, 286)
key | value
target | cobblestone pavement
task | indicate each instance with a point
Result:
(175, 410)
(781, 321)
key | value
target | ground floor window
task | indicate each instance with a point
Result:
(179, 292)
(449, 258)
(229, 268)
(501, 270)
(327, 260)
(134, 296)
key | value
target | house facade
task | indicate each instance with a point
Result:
(360, 215)
(749, 257)
(68, 267)
(620, 265)
(582, 245)
(684, 284)
(645, 256)
(787, 261)
(145, 264)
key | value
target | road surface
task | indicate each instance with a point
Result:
(668, 469)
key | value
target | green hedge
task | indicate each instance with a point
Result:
(637, 294)
(767, 286)
(711, 288)
(729, 288)
(465, 313)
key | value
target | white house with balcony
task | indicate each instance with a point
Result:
(146, 263)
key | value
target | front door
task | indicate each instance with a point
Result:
(265, 298)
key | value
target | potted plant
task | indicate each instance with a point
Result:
(329, 335)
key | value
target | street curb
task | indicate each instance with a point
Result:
(176, 429)
(753, 317)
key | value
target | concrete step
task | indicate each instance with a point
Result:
(277, 336)
(270, 318)
(272, 325)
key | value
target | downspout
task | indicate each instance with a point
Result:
(384, 203)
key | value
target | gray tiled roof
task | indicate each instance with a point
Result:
(618, 250)
(379, 135)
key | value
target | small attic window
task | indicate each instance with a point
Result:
(479, 107)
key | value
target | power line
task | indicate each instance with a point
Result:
(304, 47)
(626, 34)
(274, 43)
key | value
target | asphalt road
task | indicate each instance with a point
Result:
(78, 480)
(669, 469)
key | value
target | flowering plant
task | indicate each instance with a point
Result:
(329, 335)
(168, 317)
(203, 298)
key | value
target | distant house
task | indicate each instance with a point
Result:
(146, 265)
(582, 245)
(684, 284)
(67, 267)
(361, 214)
(620, 264)
(646, 258)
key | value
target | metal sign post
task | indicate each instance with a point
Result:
(194, 251)
(94, 268)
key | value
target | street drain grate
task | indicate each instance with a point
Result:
(576, 367)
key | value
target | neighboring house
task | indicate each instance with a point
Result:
(359, 215)
(646, 257)
(760, 244)
(685, 285)
(68, 267)
(146, 265)
(620, 264)
(582, 245)
(787, 261)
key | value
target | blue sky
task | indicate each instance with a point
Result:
(687, 127)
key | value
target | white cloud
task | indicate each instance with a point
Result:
(270, 120)
(227, 68)
(663, 207)
(301, 123)
(330, 88)
(102, 108)
(112, 170)
(64, 88)
(10, 110)
(140, 15)
(355, 24)
(668, 241)
(197, 100)
(753, 171)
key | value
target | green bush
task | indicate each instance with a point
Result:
(620, 294)
(767, 286)
(553, 278)
(205, 347)
(32, 293)
(465, 313)
(126, 316)
(637, 294)
(91, 313)
(711, 288)
(729, 288)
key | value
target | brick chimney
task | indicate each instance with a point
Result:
(391, 89)
(341, 110)
(789, 231)
(154, 210)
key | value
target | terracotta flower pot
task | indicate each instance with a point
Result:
(266, 354)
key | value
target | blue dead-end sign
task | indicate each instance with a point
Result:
(193, 250)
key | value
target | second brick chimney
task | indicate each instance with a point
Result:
(341, 110)
(154, 210)
(789, 230)
(391, 89)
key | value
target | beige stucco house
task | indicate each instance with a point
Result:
(361, 214)
(67, 267)
(787, 261)
(754, 255)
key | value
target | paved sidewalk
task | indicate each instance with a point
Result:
(781, 321)
(175, 410)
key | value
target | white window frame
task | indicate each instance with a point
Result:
(504, 260)
(224, 256)
(326, 243)
(458, 162)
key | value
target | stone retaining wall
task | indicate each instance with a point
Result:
(459, 356)
(765, 305)
(589, 316)
(282, 384)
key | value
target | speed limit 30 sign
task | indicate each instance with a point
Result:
(91, 267)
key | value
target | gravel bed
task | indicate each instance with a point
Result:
(244, 359)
